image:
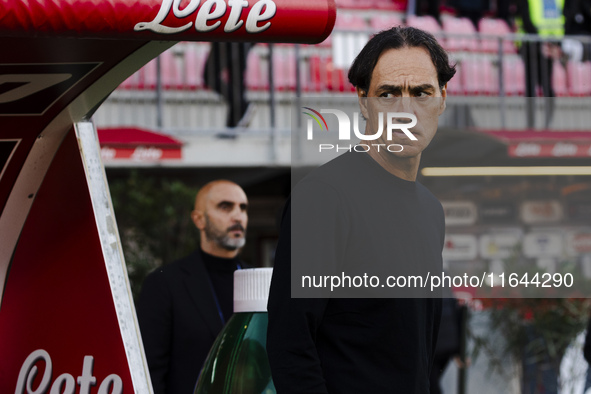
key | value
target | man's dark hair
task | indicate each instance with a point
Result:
(396, 38)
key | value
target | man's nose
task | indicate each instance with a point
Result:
(404, 104)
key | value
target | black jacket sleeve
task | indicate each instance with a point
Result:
(154, 309)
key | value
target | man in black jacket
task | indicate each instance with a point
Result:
(184, 305)
(364, 212)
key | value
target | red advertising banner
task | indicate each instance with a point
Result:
(58, 313)
(298, 21)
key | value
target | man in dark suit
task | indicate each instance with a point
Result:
(184, 305)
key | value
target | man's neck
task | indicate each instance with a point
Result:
(217, 251)
(403, 167)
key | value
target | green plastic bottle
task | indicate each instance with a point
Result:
(237, 363)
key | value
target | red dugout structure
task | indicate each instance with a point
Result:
(67, 320)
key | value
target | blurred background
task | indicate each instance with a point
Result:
(511, 162)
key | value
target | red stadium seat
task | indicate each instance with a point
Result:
(384, 21)
(171, 70)
(195, 58)
(490, 78)
(337, 79)
(390, 5)
(463, 26)
(318, 72)
(148, 76)
(514, 76)
(471, 76)
(427, 23)
(479, 77)
(559, 79)
(334, 82)
(454, 86)
(364, 4)
(579, 78)
(495, 27)
(284, 71)
(254, 79)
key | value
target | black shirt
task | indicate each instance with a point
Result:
(221, 273)
(359, 217)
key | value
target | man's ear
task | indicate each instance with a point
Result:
(199, 219)
(362, 97)
(443, 105)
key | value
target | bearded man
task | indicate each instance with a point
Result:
(184, 305)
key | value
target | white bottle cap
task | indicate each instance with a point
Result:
(251, 289)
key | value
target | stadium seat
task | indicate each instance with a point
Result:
(495, 27)
(334, 81)
(171, 70)
(559, 80)
(454, 86)
(284, 71)
(337, 79)
(364, 4)
(490, 80)
(479, 77)
(195, 58)
(253, 76)
(384, 21)
(579, 78)
(427, 23)
(514, 76)
(390, 5)
(318, 66)
(148, 76)
(453, 26)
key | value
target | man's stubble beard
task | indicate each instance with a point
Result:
(222, 238)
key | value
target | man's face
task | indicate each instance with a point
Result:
(224, 218)
(404, 80)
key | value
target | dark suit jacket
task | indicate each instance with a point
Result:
(179, 322)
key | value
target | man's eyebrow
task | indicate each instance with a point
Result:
(242, 205)
(398, 88)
